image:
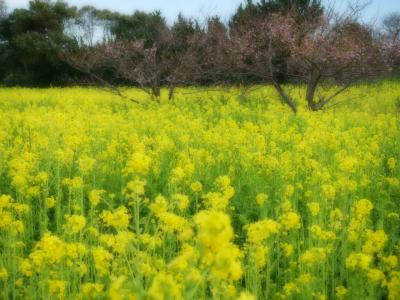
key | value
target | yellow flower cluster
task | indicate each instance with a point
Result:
(118, 219)
(75, 223)
(208, 197)
(260, 231)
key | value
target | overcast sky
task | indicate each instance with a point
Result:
(201, 8)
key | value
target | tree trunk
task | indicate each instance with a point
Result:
(171, 91)
(285, 97)
(310, 95)
(156, 90)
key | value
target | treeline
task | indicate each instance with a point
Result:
(52, 43)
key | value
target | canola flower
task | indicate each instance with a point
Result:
(211, 197)
(260, 231)
(261, 199)
(95, 197)
(314, 208)
(118, 219)
(75, 223)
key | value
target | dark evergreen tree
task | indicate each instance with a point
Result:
(140, 25)
(304, 10)
(35, 37)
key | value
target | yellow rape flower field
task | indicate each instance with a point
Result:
(218, 195)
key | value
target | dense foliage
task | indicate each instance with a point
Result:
(215, 196)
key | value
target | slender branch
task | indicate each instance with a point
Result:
(327, 100)
(108, 86)
(342, 102)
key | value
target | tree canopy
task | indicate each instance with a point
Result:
(33, 43)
